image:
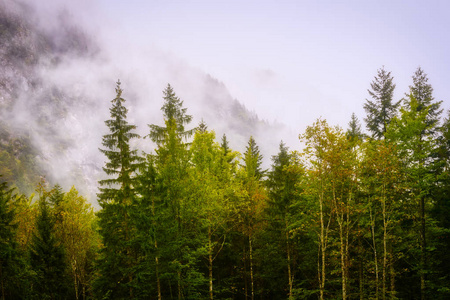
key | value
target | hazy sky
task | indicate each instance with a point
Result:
(293, 61)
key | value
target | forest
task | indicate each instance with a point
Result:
(354, 215)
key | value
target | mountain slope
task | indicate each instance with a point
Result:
(56, 84)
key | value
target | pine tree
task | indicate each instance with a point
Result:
(8, 245)
(47, 254)
(422, 92)
(174, 114)
(253, 160)
(283, 193)
(354, 132)
(413, 132)
(224, 145)
(172, 164)
(116, 198)
(381, 109)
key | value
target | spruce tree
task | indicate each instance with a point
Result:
(422, 92)
(47, 254)
(381, 109)
(116, 197)
(174, 114)
(8, 245)
(283, 193)
(413, 134)
(354, 132)
(172, 163)
(253, 160)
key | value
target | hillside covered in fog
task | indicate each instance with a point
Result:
(56, 84)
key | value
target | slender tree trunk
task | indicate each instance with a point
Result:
(344, 280)
(245, 274)
(288, 250)
(392, 272)
(385, 224)
(322, 249)
(179, 285)
(158, 283)
(423, 244)
(75, 281)
(374, 246)
(251, 266)
(323, 246)
(210, 265)
(2, 282)
(361, 276)
(423, 248)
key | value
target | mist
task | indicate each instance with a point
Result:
(62, 99)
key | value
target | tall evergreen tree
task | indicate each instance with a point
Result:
(47, 254)
(354, 132)
(422, 92)
(283, 194)
(173, 112)
(381, 109)
(253, 160)
(413, 134)
(8, 245)
(116, 198)
(441, 212)
(172, 164)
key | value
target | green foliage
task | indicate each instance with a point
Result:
(173, 112)
(47, 255)
(422, 92)
(381, 109)
(347, 217)
(354, 133)
(8, 244)
(117, 257)
(253, 160)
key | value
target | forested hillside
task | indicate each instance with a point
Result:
(55, 81)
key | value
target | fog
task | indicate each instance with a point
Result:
(63, 99)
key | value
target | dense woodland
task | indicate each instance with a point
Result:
(351, 216)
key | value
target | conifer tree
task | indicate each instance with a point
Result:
(173, 112)
(116, 198)
(354, 132)
(224, 145)
(8, 245)
(422, 92)
(172, 163)
(381, 109)
(47, 254)
(413, 132)
(283, 193)
(253, 160)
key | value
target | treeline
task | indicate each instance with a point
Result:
(351, 216)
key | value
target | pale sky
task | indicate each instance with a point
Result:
(294, 61)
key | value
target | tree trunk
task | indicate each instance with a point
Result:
(158, 283)
(251, 266)
(75, 281)
(344, 279)
(1, 279)
(210, 266)
(423, 247)
(291, 277)
(392, 273)
(374, 246)
(383, 203)
(179, 285)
